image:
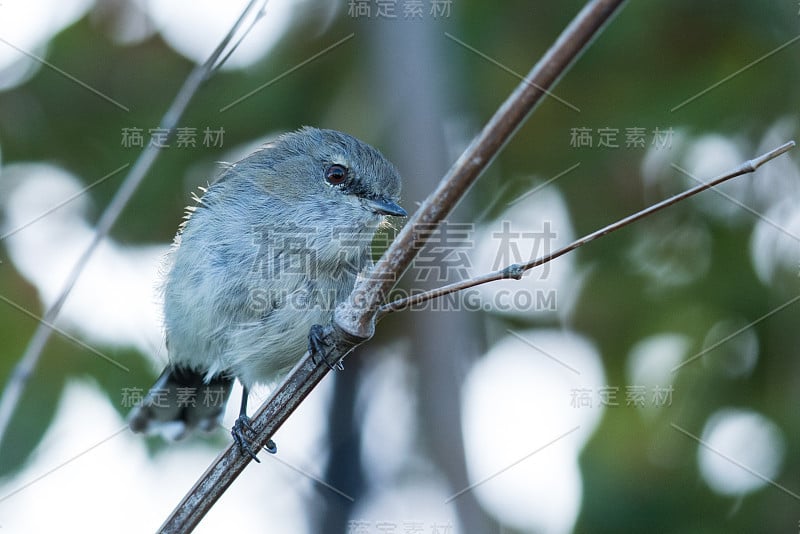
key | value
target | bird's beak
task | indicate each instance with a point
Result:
(385, 207)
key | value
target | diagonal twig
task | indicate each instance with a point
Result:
(354, 320)
(287, 72)
(30, 358)
(516, 270)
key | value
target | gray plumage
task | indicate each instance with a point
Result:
(270, 249)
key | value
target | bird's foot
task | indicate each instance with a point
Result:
(240, 431)
(320, 347)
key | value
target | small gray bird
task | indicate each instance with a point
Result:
(268, 252)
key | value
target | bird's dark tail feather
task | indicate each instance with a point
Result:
(181, 401)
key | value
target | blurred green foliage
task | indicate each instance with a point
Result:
(652, 57)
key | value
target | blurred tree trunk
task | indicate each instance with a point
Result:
(344, 468)
(413, 82)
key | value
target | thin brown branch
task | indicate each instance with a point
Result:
(354, 320)
(22, 372)
(357, 318)
(516, 270)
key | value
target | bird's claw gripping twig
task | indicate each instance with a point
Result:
(320, 347)
(240, 429)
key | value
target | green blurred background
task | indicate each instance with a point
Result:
(397, 75)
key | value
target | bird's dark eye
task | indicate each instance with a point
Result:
(336, 174)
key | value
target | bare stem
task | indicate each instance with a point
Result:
(22, 372)
(371, 292)
(516, 270)
(354, 320)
